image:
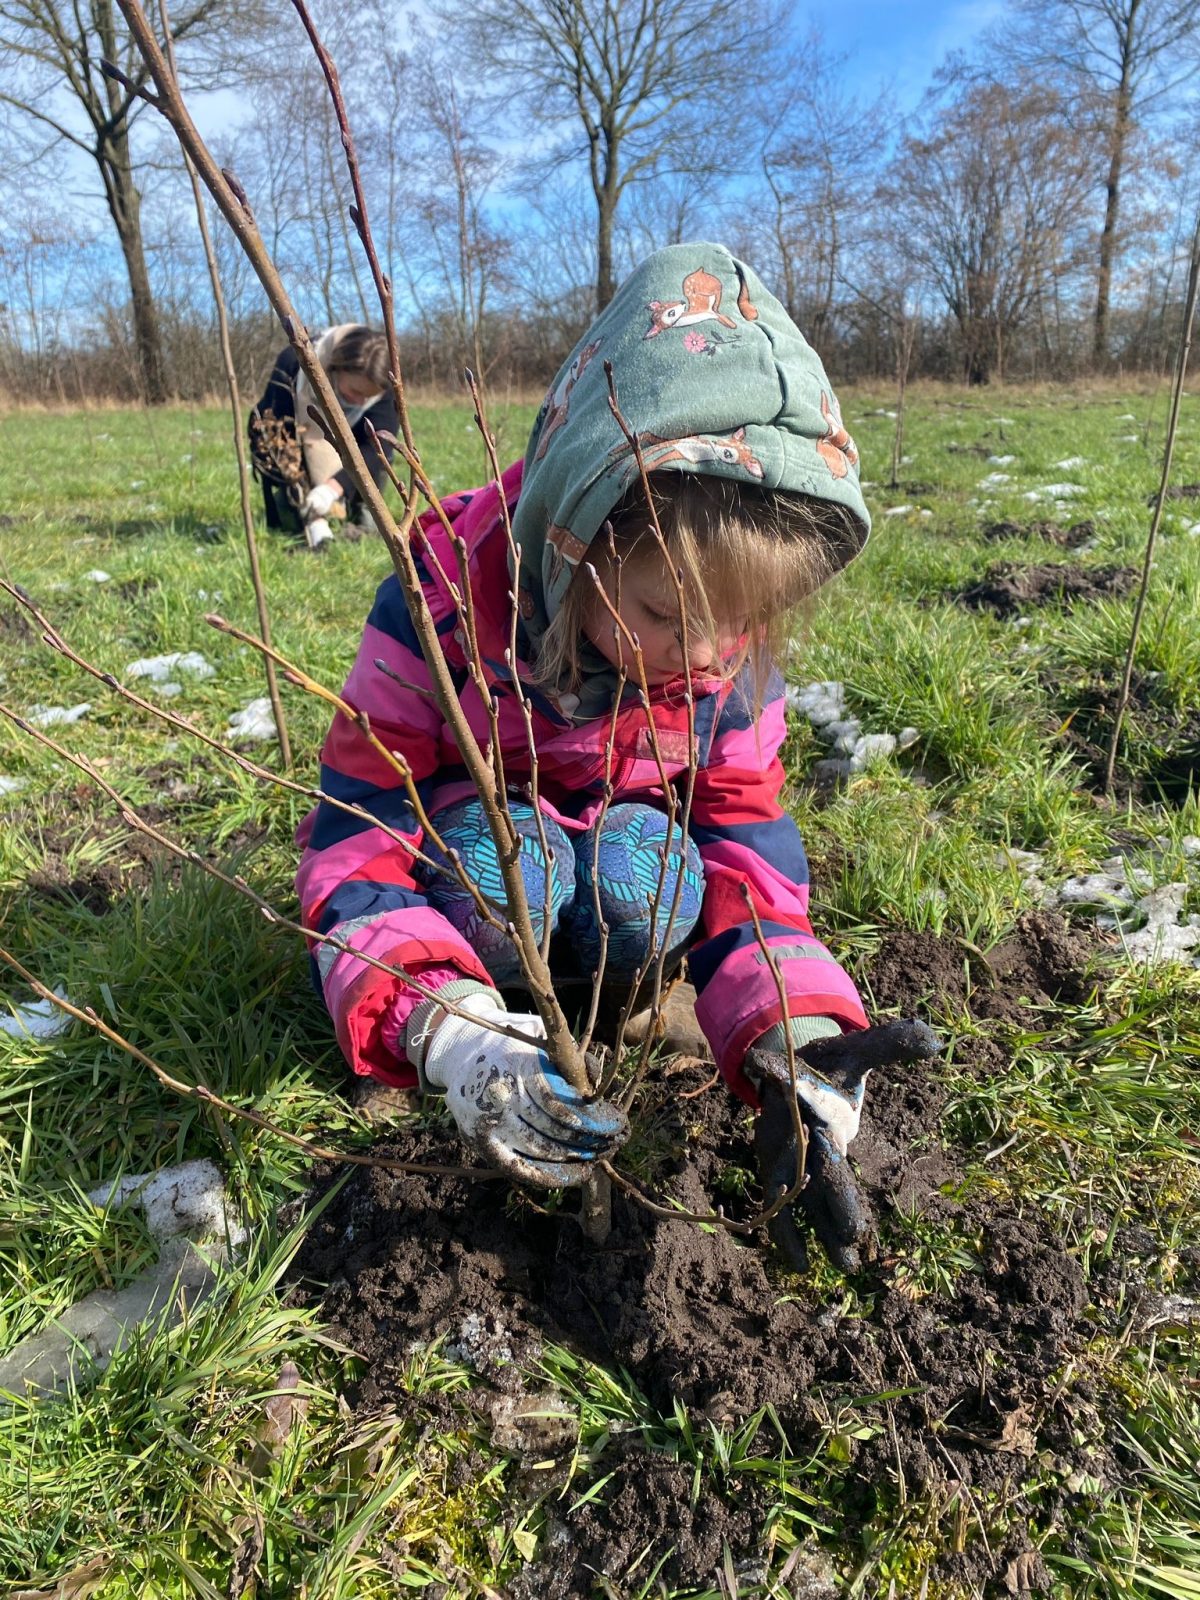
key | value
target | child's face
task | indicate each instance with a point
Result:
(649, 609)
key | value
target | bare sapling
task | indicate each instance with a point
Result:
(1181, 362)
(484, 756)
(235, 407)
(905, 333)
(594, 1207)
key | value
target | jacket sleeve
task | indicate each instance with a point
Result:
(748, 841)
(357, 882)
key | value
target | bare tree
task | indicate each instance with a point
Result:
(985, 199)
(1120, 60)
(818, 157)
(456, 258)
(51, 54)
(642, 80)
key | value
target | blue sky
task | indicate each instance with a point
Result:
(898, 42)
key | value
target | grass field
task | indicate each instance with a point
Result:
(153, 1479)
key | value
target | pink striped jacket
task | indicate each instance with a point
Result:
(356, 882)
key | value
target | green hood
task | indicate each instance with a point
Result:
(713, 375)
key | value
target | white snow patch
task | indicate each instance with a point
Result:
(40, 1019)
(187, 1213)
(189, 1198)
(57, 716)
(256, 721)
(10, 785)
(1070, 462)
(1127, 438)
(98, 575)
(824, 704)
(159, 668)
(1055, 491)
(1001, 461)
(994, 480)
(899, 511)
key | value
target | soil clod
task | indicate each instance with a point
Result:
(1008, 587)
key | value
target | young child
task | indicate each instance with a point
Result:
(302, 476)
(757, 490)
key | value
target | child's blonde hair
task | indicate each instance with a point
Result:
(761, 551)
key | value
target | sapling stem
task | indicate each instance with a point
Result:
(235, 406)
(1181, 361)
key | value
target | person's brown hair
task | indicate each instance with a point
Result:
(762, 552)
(363, 351)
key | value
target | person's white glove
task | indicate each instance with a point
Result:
(512, 1104)
(319, 502)
(317, 532)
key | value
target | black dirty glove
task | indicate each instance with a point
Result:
(830, 1079)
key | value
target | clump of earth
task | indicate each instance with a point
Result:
(397, 1261)
(1008, 587)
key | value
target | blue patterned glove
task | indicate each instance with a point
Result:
(510, 1101)
(831, 1075)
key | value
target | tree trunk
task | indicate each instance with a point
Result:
(1112, 196)
(125, 208)
(605, 284)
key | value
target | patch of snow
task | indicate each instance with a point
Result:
(899, 511)
(1001, 461)
(1055, 491)
(57, 716)
(188, 1198)
(187, 1213)
(168, 690)
(1068, 463)
(1127, 438)
(1127, 416)
(159, 668)
(138, 483)
(10, 785)
(994, 480)
(824, 704)
(256, 721)
(98, 575)
(40, 1019)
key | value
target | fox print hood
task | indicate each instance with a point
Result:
(713, 376)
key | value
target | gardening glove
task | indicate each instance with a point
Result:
(317, 532)
(510, 1101)
(831, 1076)
(319, 502)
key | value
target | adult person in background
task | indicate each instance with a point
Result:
(305, 487)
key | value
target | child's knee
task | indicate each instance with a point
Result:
(625, 867)
(463, 829)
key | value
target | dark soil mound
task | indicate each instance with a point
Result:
(1009, 587)
(1159, 756)
(1052, 532)
(1178, 491)
(402, 1259)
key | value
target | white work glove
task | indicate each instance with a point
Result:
(512, 1104)
(317, 532)
(319, 502)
